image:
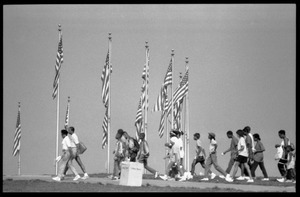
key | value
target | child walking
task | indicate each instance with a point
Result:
(143, 154)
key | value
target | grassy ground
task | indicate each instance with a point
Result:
(217, 179)
(45, 186)
(10, 185)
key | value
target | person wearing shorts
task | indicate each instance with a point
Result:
(242, 157)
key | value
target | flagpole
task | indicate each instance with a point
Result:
(19, 152)
(187, 121)
(146, 91)
(109, 120)
(57, 112)
(172, 104)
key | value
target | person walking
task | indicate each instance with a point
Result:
(242, 157)
(212, 159)
(258, 157)
(143, 154)
(119, 156)
(174, 155)
(65, 158)
(233, 154)
(200, 156)
(283, 160)
(75, 146)
(250, 145)
(290, 165)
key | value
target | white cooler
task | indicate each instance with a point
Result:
(131, 174)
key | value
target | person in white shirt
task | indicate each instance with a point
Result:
(74, 147)
(242, 158)
(175, 150)
(212, 159)
(65, 158)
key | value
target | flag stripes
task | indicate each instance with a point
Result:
(105, 128)
(59, 61)
(17, 137)
(178, 96)
(67, 114)
(105, 81)
(138, 120)
(182, 90)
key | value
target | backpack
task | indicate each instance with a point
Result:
(136, 144)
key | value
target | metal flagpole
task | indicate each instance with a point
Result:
(146, 92)
(187, 121)
(108, 114)
(19, 152)
(57, 111)
(172, 55)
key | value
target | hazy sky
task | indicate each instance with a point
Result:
(242, 61)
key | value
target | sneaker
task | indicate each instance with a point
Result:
(76, 178)
(289, 181)
(250, 181)
(265, 179)
(247, 178)
(222, 176)
(204, 179)
(294, 182)
(85, 176)
(228, 178)
(163, 177)
(110, 176)
(212, 175)
(241, 178)
(56, 179)
(280, 180)
(115, 178)
(156, 175)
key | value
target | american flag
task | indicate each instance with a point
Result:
(138, 120)
(17, 138)
(59, 61)
(182, 89)
(159, 105)
(179, 94)
(105, 81)
(168, 77)
(67, 114)
(105, 128)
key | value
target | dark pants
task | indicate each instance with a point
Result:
(290, 175)
(282, 169)
(201, 160)
(262, 167)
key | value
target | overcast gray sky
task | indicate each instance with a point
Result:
(242, 60)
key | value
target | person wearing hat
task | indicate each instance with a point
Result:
(258, 158)
(212, 159)
(242, 157)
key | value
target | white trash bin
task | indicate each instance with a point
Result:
(131, 174)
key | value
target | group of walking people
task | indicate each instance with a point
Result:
(70, 151)
(246, 153)
(130, 149)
